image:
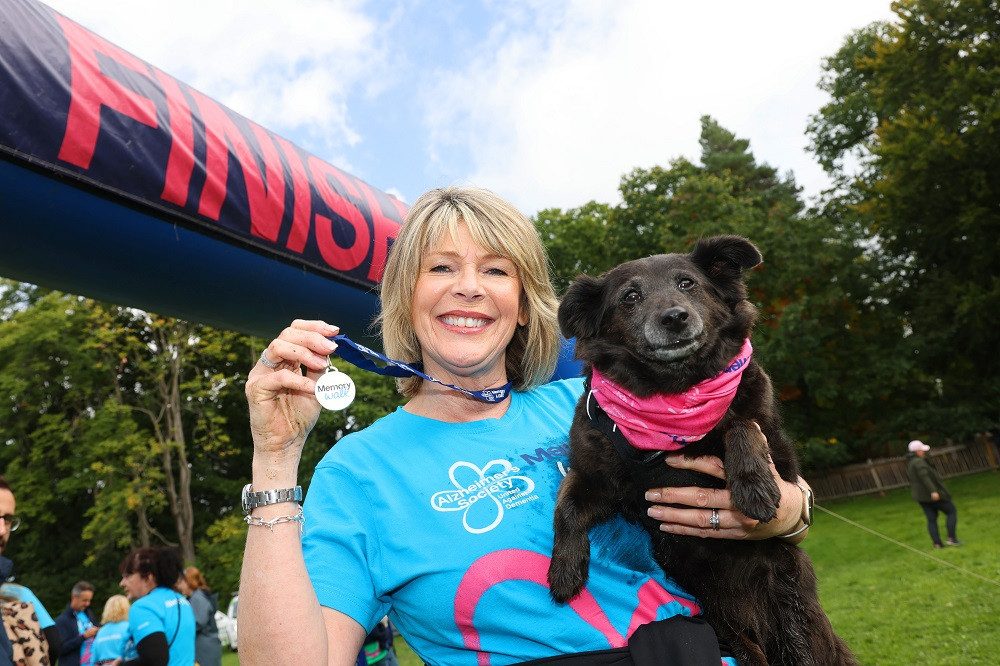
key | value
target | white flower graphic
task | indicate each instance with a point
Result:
(474, 486)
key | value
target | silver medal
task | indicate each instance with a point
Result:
(335, 390)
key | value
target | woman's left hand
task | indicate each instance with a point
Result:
(695, 517)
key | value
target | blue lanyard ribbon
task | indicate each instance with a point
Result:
(357, 355)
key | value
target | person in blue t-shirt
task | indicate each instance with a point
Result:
(440, 513)
(113, 638)
(160, 620)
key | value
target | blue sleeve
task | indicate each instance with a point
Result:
(25, 594)
(143, 621)
(340, 545)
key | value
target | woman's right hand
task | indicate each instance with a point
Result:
(283, 406)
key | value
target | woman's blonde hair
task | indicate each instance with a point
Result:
(498, 227)
(115, 609)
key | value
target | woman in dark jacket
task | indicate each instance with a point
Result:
(204, 603)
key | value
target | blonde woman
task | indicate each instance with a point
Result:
(112, 639)
(440, 513)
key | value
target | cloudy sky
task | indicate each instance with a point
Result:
(547, 102)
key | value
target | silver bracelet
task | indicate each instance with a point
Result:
(795, 533)
(299, 518)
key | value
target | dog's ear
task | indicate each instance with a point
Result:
(725, 257)
(582, 308)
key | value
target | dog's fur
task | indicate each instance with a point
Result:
(660, 325)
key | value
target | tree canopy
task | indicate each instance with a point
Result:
(123, 428)
(910, 135)
(818, 334)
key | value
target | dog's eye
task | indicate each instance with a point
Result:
(631, 297)
(685, 284)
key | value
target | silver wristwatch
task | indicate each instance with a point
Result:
(807, 504)
(807, 511)
(253, 499)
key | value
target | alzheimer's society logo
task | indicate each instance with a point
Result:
(482, 494)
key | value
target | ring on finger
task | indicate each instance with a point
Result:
(266, 361)
(713, 520)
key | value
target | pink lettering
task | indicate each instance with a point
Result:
(91, 89)
(302, 194)
(384, 231)
(340, 258)
(265, 197)
(180, 162)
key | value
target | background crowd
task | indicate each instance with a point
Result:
(166, 616)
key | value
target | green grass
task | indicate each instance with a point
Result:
(896, 606)
(405, 654)
(891, 604)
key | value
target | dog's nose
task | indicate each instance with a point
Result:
(674, 318)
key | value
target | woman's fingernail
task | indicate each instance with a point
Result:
(653, 496)
(673, 459)
(653, 512)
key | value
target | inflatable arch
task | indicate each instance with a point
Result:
(119, 182)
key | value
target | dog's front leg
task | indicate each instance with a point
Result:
(748, 474)
(579, 507)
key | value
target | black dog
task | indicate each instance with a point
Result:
(658, 327)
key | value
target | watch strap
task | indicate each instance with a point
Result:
(257, 498)
(807, 512)
(807, 504)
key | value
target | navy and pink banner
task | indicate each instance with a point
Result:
(121, 183)
(91, 117)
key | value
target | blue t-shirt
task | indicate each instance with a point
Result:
(447, 527)
(111, 641)
(24, 594)
(86, 648)
(168, 612)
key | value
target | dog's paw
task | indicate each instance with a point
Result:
(563, 586)
(757, 500)
(567, 576)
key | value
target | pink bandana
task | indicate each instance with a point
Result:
(668, 422)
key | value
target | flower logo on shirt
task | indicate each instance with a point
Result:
(482, 494)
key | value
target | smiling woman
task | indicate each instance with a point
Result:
(440, 514)
(460, 230)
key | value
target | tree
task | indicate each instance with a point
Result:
(918, 100)
(578, 241)
(104, 409)
(169, 375)
(819, 329)
(51, 387)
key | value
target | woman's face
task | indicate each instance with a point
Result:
(135, 586)
(466, 304)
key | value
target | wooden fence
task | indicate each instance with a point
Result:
(878, 476)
